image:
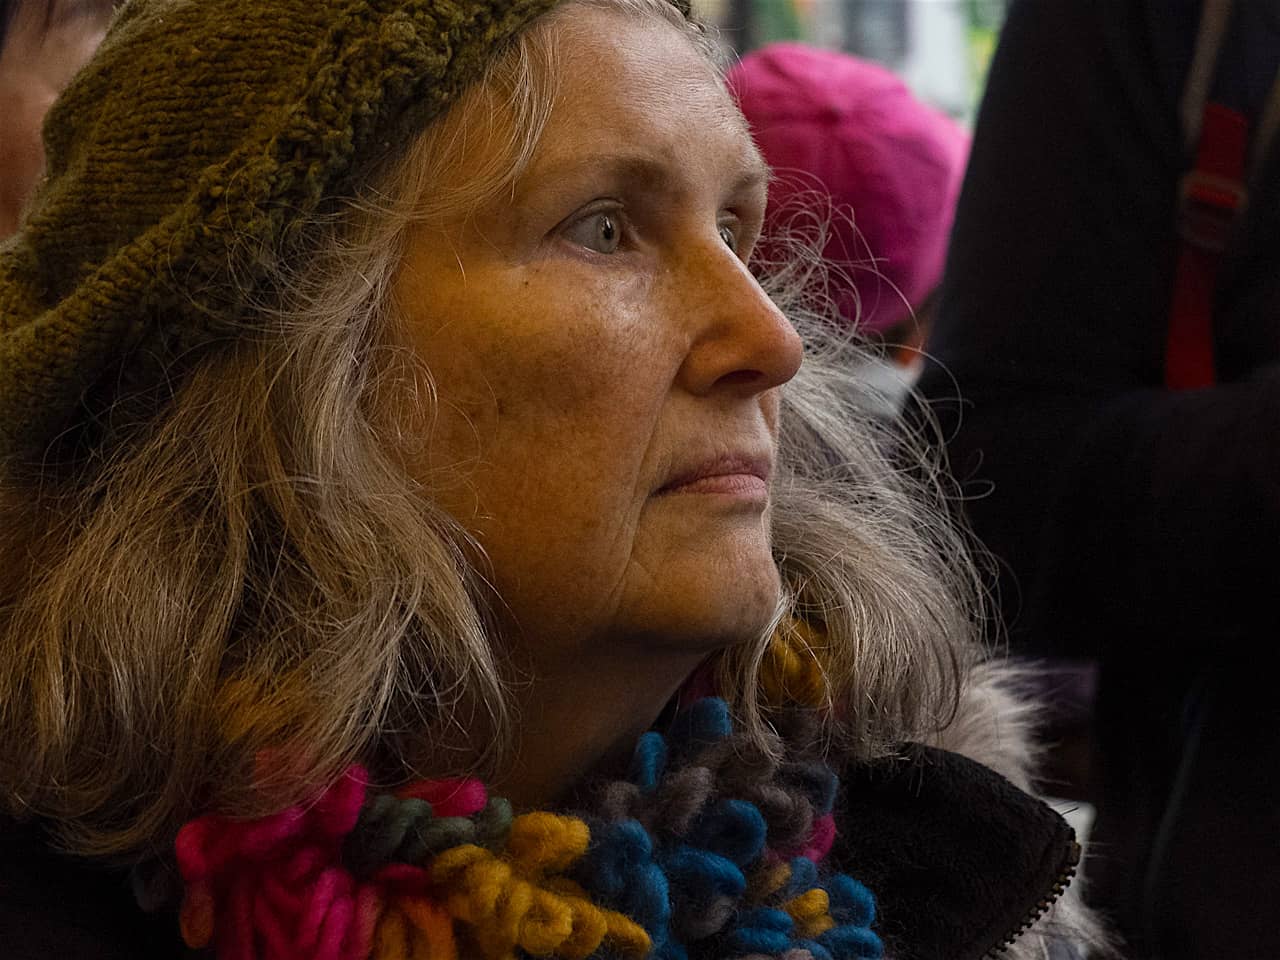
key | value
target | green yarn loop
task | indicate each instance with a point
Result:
(395, 830)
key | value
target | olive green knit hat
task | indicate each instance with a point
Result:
(203, 137)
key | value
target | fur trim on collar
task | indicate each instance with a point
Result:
(997, 726)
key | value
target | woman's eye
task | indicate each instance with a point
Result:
(601, 232)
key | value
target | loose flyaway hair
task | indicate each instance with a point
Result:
(254, 570)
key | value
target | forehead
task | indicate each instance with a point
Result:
(635, 84)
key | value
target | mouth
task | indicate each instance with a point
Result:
(737, 475)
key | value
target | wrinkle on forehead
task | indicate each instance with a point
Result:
(675, 99)
(670, 72)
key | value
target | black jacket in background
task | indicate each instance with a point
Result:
(1117, 507)
(1133, 525)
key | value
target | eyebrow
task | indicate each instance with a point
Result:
(643, 169)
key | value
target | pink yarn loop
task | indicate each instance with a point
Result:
(820, 842)
(280, 882)
(817, 846)
(276, 888)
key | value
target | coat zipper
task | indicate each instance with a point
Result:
(1041, 906)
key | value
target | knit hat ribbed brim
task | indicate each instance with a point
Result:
(202, 137)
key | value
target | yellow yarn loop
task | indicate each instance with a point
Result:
(546, 843)
(810, 912)
(414, 928)
(510, 904)
(197, 918)
(792, 670)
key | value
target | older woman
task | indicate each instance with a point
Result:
(424, 541)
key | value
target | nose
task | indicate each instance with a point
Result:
(742, 343)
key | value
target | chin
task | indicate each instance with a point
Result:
(732, 608)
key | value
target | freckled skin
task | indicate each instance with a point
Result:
(575, 383)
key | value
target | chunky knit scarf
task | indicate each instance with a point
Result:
(707, 849)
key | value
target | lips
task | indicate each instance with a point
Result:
(733, 473)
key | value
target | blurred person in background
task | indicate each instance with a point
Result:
(855, 154)
(42, 44)
(1111, 319)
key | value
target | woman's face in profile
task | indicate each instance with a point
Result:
(607, 368)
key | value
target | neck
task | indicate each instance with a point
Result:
(579, 715)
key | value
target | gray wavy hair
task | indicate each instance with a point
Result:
(255, 569)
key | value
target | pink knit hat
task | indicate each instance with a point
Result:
(857, 129)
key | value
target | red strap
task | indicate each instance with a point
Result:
(1210, 197)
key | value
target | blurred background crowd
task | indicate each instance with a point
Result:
(940, 48)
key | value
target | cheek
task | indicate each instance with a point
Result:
(548, 410)
(576, 428)
(21, 152)
(563, 446)
(586, 373)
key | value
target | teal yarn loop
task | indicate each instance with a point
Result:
(676, 844)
